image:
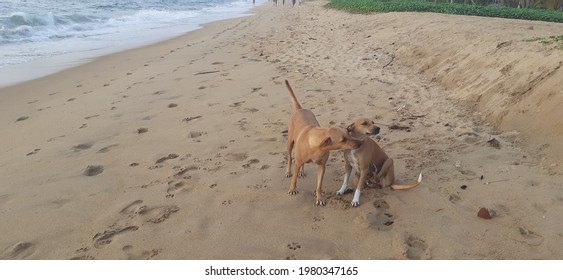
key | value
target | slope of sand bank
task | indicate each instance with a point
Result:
(177, 150)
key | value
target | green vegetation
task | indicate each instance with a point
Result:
(557, 41)
(384, 6)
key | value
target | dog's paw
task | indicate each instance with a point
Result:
(301, 174)
(320, 202)
(339, 192)
(294, 192)
(287, 174)
(355, 203)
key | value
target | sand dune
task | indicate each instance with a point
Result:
(177, 150)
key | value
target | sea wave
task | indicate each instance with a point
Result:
(25, 27)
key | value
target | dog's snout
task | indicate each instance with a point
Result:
(375, 130)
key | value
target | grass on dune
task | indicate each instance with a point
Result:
(385, 6)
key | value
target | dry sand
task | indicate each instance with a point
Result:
(184, 143)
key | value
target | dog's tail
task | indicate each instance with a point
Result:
(296, 104)
(408, 186)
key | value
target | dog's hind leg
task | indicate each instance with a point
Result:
(386, 175)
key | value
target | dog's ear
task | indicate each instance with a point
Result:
(350, 128)
(326, 142)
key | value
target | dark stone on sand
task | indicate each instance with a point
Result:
(484, 213)
(93, 170)
(22, 118)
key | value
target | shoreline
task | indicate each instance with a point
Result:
(177, 150)
(19, 73)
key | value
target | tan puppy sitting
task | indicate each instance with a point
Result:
(369, 160)
(312, 144)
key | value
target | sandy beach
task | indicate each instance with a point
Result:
(177, 150)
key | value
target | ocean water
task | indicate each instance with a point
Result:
(40, 37)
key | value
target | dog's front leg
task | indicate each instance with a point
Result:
(347, 173)
(319, 192)
(361, 182)
(290, 145)
(293, 184)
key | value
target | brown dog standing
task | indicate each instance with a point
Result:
(369, 160)
(312, 144)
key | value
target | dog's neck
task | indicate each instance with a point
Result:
(360, 136)
(357, 135)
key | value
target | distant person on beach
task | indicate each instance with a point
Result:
(283, 2)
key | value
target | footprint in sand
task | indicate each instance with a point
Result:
(529, 237)
(184, 170)
(20, 250)
(381, 204)
(157, 214)
(107, 148)
(163, 159)
(142, 130)
(382, 220)
(5, 198)
(93, 170)
(316, 222)
(195, 135)
(22, 118)
(83, 258)
(293, 246)
(139, 254)
(250, 163)
(82, 147)
(90, 117)
(132, 207)
(35, 151)
(188, 119)
(106, 237)
(417, 249)
(379, 219)
(291, 257)
(175, 187)
(236, 156)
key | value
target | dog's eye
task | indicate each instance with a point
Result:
(365, 123)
